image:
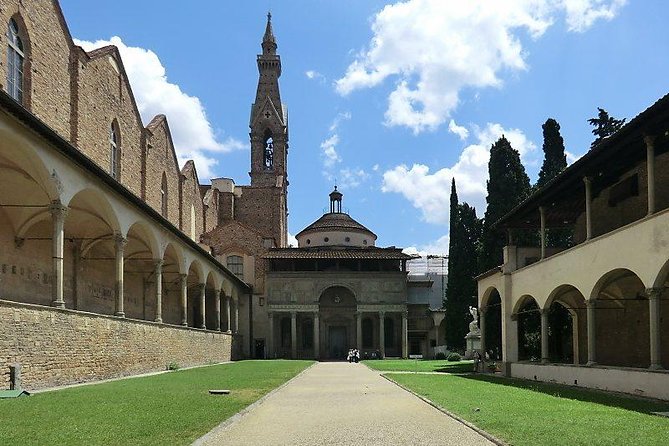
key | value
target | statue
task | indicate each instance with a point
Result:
(474, 325)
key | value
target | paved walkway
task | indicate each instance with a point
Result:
(337, 403)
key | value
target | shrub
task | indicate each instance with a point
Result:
(453, 357)
(440, 356)
(173, 366)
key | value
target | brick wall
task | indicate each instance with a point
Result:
(192, 212)
(47, 78)
(58, 347)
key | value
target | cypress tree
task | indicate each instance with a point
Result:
(605, 125)
(465, 229)
(555, 160)
(508, 185)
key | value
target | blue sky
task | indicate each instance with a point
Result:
(390, 99)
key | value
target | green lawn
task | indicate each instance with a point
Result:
(412, 365)
(529, 413)
(171, 408)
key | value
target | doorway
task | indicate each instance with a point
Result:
(337, 348)
(259, 350)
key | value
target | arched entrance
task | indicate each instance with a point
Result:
(337, 306)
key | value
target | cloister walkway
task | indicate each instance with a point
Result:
(337, 403)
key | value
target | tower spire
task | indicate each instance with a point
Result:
(268, 40)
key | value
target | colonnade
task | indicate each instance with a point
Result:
(315, 315)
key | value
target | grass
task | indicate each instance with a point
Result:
(412, 365)
(529, 413)
(171, 408)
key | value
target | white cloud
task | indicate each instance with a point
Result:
(436, 48)
(350, 178)
(581, 14)
(437, 247)
(375, 167)
(193, 135)
(315, 75)
(330, 155)
(292, 241)
(430, 192)
(459, 130)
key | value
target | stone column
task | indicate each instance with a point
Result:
(236, 314)
(58, 214)
(158, 273)
(120, 243)
(588, 206)
(482, 313)
(358, 331)
(405, 335)
(542, 218)
(270, 335)
(382, 333)
(228, 302)
(183, 298)
(203, 313)
(293, 334)
(650, 165)
(317, 336)
(655, 339)
(544, 336)
(218, 310)
(592, 357)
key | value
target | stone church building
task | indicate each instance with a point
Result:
(114, 260)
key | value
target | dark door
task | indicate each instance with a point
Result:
(259, 349)
(338, 348)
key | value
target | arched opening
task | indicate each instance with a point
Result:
(115, 150)
(26, 226)
(93, 241)
(567, 326)
(139, 271)
(211, 312)
(196, 284)
(621, 320)
(163, 196)
(662, 288)
(529, 329)
(172, 308)
(268, 152)
(492, 305)
(337, 306)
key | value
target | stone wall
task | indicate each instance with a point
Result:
(59, 347)
(47, 46)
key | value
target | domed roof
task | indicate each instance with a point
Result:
(336, 221)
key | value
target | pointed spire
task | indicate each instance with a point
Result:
(268, 40)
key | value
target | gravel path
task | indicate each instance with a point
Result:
(337, 403)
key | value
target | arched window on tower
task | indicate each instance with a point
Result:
(15, 58)
(163, 196)
(268, 158)
(114, 151)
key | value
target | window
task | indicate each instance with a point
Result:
(268, 158)
(163, 196)
(115, 152)
(15, 57)
(326, 239)
(236, 266)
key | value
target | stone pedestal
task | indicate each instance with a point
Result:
(473, 343)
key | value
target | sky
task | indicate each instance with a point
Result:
(390, 100)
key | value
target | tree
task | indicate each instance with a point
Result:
(605, 125)
(508, 185)
(465, 230)
(555, 160)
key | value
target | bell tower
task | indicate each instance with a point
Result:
(269, 120)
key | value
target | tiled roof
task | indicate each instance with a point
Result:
(336, 221)
(338, 253)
